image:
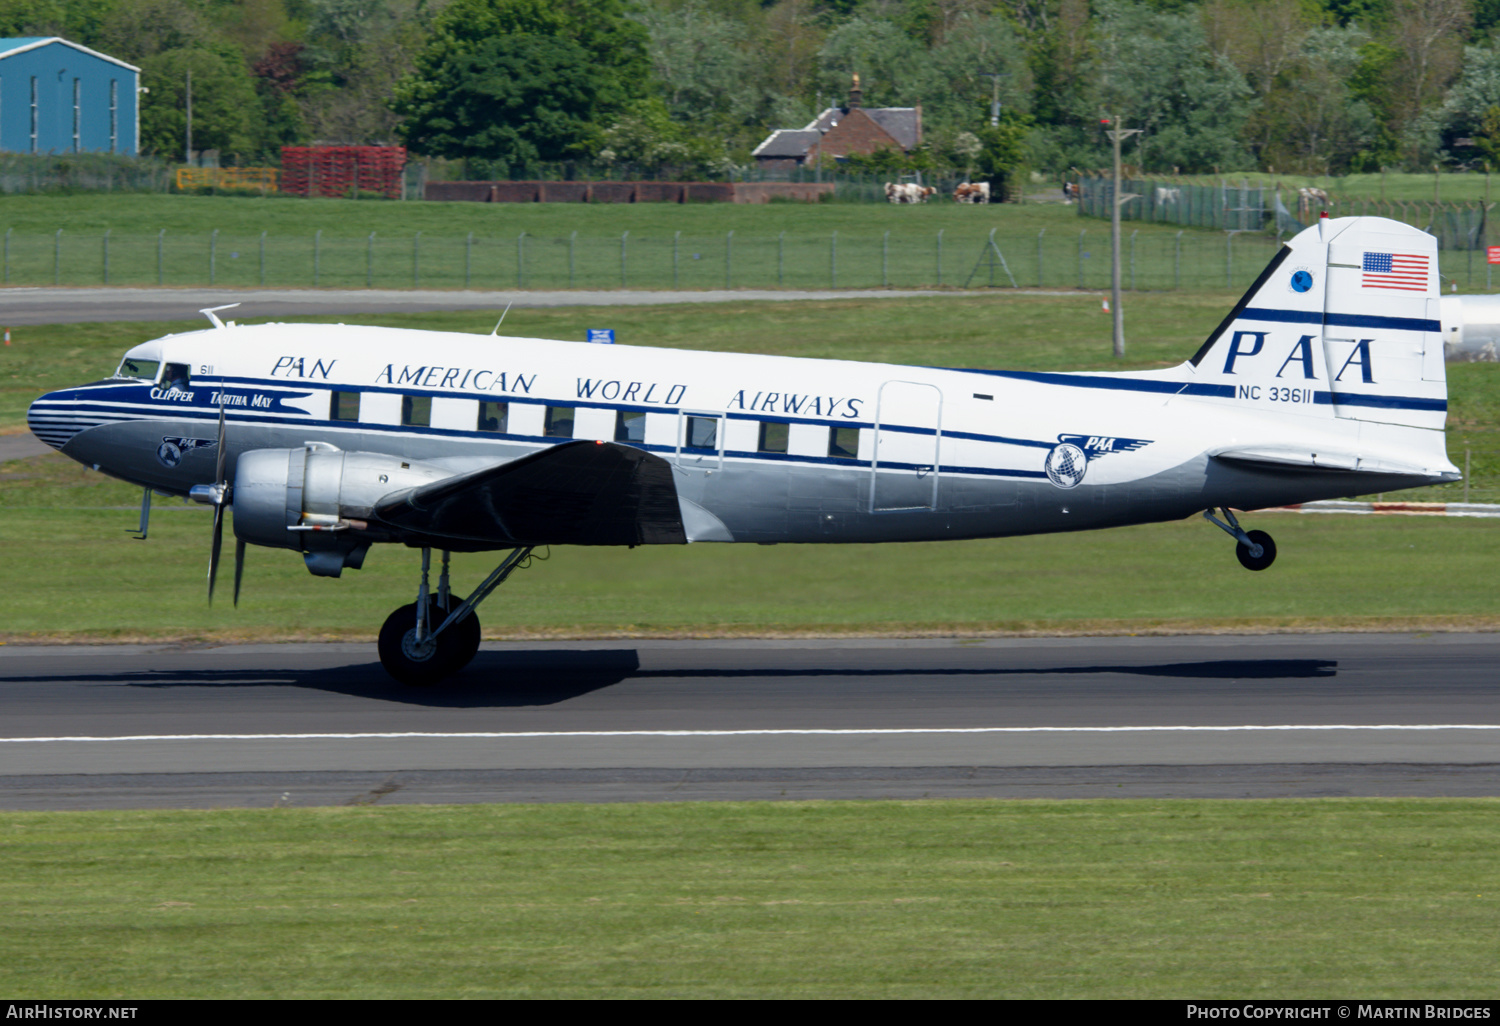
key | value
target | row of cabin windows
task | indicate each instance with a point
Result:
(701, 434)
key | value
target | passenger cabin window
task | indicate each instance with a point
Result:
(143, 369)
(843, 443)
(701, 433)
(773, 437)
(416, 410)
(494, 417)
(176, 376)
(630, 426)
(344, 406)
(559, 422)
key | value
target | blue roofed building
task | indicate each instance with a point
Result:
(61, 97)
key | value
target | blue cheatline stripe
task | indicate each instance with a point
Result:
(1390, 402)
(1099, 381)
(1340, 320)
(1372, 321)
(1259, 313)
(205, 418)
(1386, 402)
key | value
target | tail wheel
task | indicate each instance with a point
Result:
(1267, 551)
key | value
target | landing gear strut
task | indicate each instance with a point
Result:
(1255, 550)
(433, 638)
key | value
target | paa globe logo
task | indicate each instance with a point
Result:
(1066, 465)
(1069, 460)
(171, 449)
(1302, 280)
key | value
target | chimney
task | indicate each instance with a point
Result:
(856, 95)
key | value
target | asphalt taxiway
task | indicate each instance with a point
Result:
(1227, 716)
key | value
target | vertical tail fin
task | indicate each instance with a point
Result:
(1344, 322)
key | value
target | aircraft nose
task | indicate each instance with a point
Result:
(54, 417)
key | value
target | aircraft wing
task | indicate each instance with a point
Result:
(576, 493)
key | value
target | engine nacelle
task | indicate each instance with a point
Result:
(317, 500)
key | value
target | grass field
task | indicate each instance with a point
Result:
(1468, 187)
(248, 241)
(188, 240)
(1081, 899)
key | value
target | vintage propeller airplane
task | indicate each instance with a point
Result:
(1326, 380)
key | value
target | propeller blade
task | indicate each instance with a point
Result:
(239, 567)
(213, 558)
(219, 466)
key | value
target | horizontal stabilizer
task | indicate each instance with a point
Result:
(1284, 457)
(576, 493)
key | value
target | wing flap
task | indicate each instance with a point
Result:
(576, 493)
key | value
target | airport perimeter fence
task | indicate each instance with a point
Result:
(82, 172)
(958, 258)
(1246, 207)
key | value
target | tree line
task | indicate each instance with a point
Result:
(507, 86)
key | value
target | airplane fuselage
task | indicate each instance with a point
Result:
(771, 449)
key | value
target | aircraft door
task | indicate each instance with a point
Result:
(908, 447)
(700, 440)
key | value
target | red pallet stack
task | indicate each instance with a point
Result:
(337, 170)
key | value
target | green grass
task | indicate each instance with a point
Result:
(171, 240)
(668, 245)
(1451, 188)
(76, 574)
(1080, 899)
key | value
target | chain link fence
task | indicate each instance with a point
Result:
(1246, 206)
(82, 172)
(967, 258)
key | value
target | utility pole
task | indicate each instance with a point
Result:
(994, 77)
(1116, 134)
(188, 157)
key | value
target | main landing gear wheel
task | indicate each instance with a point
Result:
(445, 648)
(1267, 554)
(462, 637)
(418, 665)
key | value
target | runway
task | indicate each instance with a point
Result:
(162, 726)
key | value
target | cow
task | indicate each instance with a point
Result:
(1309, 199)
(972, 192)
(907, 192)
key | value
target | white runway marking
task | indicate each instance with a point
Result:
(855, 731)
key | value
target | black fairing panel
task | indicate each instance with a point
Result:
(576, 493)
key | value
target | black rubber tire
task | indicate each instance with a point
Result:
(398, 663)
(458, 644)
(1267, 553)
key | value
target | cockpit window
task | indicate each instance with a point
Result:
(176, 376)
(134, 368)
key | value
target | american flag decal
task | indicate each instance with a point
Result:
(1404, 271)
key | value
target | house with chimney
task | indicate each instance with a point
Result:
(841, 131)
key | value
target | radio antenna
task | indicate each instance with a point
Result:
(501, 321)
